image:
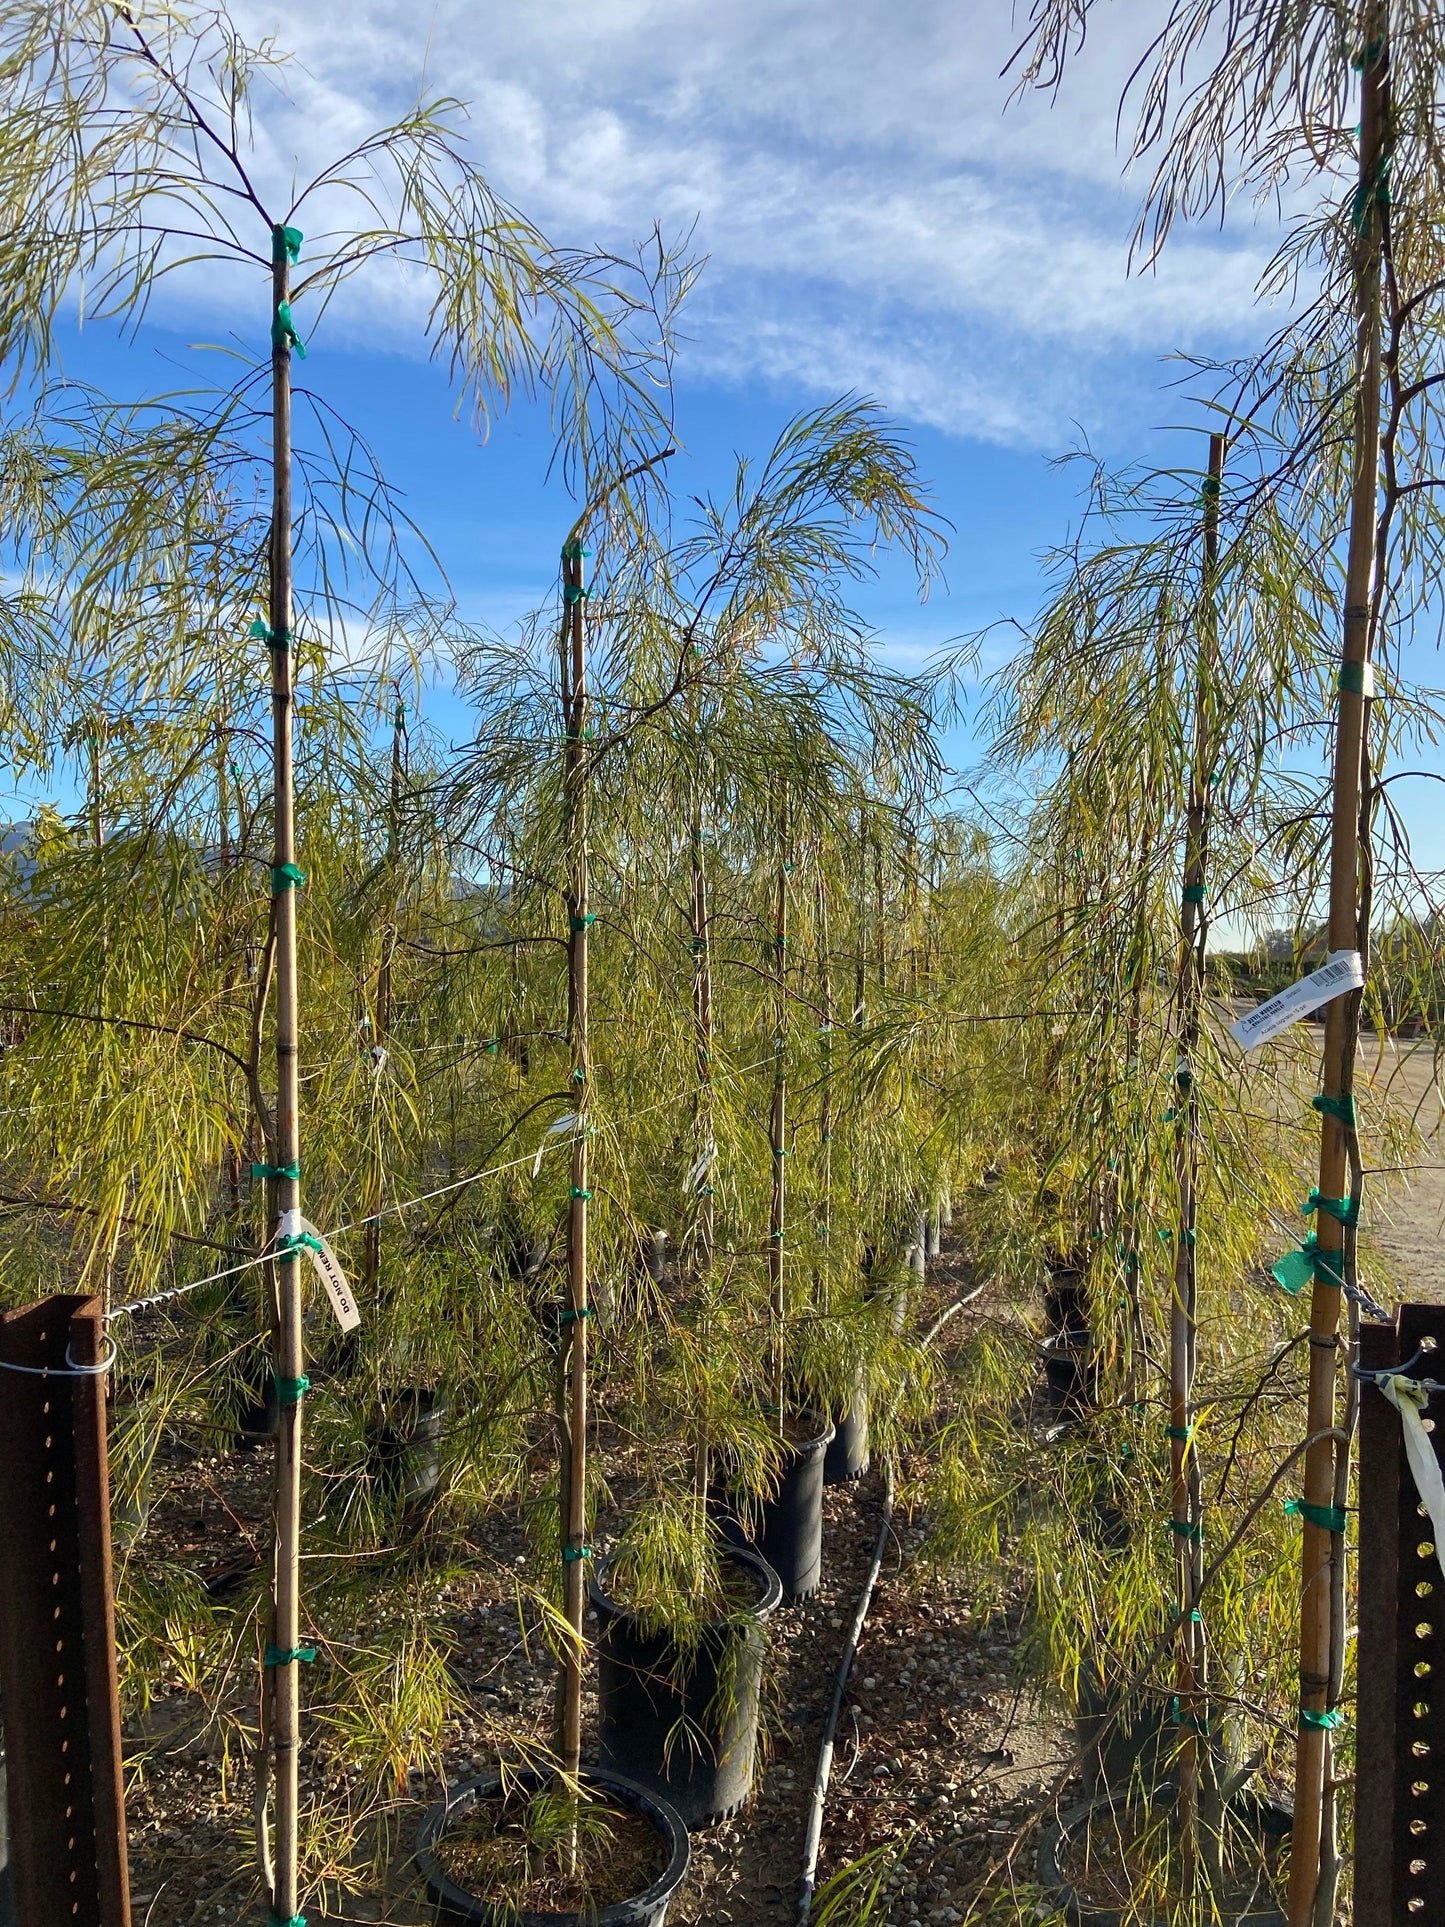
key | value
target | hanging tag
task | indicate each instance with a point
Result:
(1343, 970)
(701, 1165)
(327, 1267)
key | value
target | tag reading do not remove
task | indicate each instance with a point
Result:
(1342, 970)
(327, 1267)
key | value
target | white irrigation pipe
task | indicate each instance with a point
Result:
(813, 1834)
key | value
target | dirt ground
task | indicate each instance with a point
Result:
(1405, 1211)
(934, 1748)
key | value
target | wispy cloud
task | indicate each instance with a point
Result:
(873, 216)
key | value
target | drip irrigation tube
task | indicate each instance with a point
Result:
(813, 1834)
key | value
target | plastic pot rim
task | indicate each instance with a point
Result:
(1064, 1898)
(635, 1909)
(771, 1597)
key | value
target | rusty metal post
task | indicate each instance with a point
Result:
(1400, 1716)
(57, 1622)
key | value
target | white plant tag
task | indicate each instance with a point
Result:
(1342, 970)
(327, 1267)
(701, 1165)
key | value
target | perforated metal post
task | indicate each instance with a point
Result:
(57, 1624)
(1400, 1717)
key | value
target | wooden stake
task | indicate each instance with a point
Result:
(1187, 1513)
(285, 1193)
(1312, 1747)
(574, 805)
(778, 1128)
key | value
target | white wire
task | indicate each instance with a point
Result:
(133, 1305)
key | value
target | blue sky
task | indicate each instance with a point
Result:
(878, 216)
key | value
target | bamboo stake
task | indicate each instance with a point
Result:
(381, 1030)
(779, 1121)
(1312, 1747)
(285, 1689)
(704, 1130)
(1187, 1511)
(574, 779)
(704, 1136)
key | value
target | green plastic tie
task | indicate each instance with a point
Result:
(1361, 61)
(705, 1190)
(579, 1076)
(573, 1553)
(572, 593)
(1329, 1518)
(775, 1237)
(1375, 191)
(825, 1137)
(493, 1045)
(572, 1312)
(1352, 678)
(1194, 893)
(289, 1656)
(578, 924)
(1294, 1271)
(286, 244)
(1318, 1722)
(1184, 1433)
(1181, 1718)
(1344, 1108)
(1186, 1529)
(578, 1192)
(283, 330)
(1131, 1258)
(278, 639)
(1345, 1210)
(291, 1391)
(780, 1151)
(286, 876)
(574, 552)
(295, 1920)
(294, 1241)
(261, 1171)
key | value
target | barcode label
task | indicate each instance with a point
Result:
(1342, 970)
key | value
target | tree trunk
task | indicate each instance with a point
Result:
(778, 1127)
(575, 1551)
(1312, 1746)
(1187, 1512)
(285, 1185)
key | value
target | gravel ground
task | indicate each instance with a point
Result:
(934, 1748)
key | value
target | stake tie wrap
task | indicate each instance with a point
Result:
(572, 1553)
(283, 331)
(290, 1242)
(291, 1391)
(576, 1311)
(578, 924)
(286, 244)
(1186, 1529)
(578, 1192)
(1344, 1108)
(289, 1655)
(1318, 1722)
(1299, 1268)
(1329, 1518)
(1357, 679)
(571, 594)
(262, 1171)
(1344, 1210)
(1194, 893)
(574, 552)
(280, 639)
(286, 876)
(293, 1920)
(1183, 1433)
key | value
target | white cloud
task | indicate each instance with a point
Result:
(874, 218)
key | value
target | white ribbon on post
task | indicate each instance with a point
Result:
(1409, 1399)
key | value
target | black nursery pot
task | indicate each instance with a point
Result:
(685, 1725)
(647, 1909)
(847, 1456)
(405, 1446)
(1265, 1818)
(1126, 1745)
(791, 1538)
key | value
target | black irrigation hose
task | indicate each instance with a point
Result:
(813, 1834)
